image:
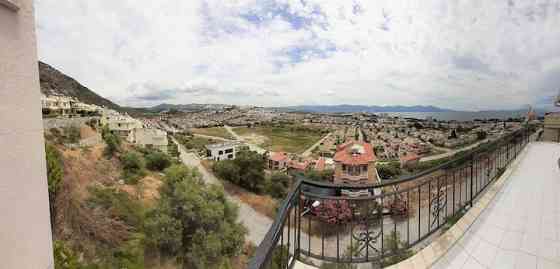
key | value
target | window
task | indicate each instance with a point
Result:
(10, 4)
(221, 152)
(229, 150)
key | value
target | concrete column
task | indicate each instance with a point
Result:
(25, 234)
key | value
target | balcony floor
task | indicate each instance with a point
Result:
(520, 228)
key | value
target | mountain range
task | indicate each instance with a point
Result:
(360, 108)
(55, 82)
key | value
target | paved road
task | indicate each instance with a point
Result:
(257, 224)
(308, 152)
(252, 147)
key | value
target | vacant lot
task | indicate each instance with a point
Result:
(289, 138)
(213, 131)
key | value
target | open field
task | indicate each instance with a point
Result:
(213, 131)
(288, 138)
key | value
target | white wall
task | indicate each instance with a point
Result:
(25, 234)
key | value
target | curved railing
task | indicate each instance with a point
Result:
(316, 224)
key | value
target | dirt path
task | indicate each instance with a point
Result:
(252, 147)
(308, 152)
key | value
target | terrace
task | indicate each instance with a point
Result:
(399, 221)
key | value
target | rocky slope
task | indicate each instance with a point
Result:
(55, 82)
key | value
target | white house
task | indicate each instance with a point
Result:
(223, 151)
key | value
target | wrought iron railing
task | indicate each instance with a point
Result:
(316, 224)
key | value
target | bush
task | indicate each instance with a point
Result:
(278, 185)
(133, 167)
(113, 144)
(64, 257)
(157, 161)
(247, 171)
(325, 175)
(71, 134)
(55, 174)
(194, 222)
(118, 203)
(389, 170)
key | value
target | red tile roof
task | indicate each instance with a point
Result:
(345, 155)
(279, 157)
(320, 164)
(298, 165)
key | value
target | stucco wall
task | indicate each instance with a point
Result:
(66, 122)
(25, 235)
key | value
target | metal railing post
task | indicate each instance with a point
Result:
(472, 171)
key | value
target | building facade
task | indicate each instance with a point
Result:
(355, 164)
(149, 138)
(25, 231)
(223, 151)
(552, 127)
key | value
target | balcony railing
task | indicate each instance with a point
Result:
(316, 224)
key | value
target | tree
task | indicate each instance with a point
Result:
(481, 135)
(228, 170)
(278, 185)
(325, 175)
(112, 145)
(157, 161)
(194, 222)
(55, 174)
(246, 170)
(133, 166)
(389, 170)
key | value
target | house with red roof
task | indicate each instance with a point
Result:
(355, 164)
(278, 161)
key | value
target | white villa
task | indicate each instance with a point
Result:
(223, 151)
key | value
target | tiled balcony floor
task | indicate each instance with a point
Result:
(520, 228)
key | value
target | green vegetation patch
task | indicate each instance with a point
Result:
(288, 138)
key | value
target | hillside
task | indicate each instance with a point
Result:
(56, 82)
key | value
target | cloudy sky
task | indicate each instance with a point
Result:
(457, 54)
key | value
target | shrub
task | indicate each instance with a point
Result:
(194, 222)
(112, 145)
(64, 257)
(55, 174)
(157, 161)
(389, 170)
(71, 134)
(133, 167)
(278, 185)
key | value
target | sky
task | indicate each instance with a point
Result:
(464, 55)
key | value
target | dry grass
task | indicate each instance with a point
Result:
(263, 204)
(213, 131)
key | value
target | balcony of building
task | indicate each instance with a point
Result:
(426, 220)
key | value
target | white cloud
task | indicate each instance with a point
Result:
(456, 54)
